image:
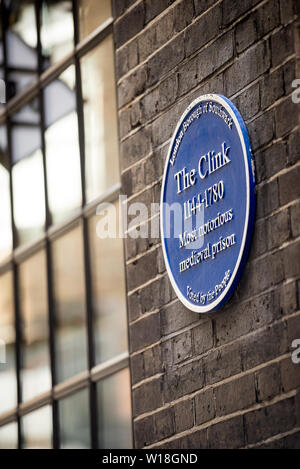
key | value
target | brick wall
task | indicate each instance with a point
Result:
(224, 379)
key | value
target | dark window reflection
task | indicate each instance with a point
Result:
(5, 212)
(108, 288)
(100, 119)
(114, 411)
(92, 13)
(57, 30)
(9, 436)
(21, 40)
(62, 146)
(74, 421)
(70, 330)
(8, 386)
(27, 173)
(37, 429)
(35, 349)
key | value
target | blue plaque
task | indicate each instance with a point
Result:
(207, 203)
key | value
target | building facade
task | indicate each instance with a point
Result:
(96, 349)
(225, 379)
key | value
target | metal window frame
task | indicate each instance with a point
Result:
(94, 373)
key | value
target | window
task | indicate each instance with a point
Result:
(64, 364)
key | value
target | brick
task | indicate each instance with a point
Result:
(278, 229)
(154, 166)
(282, 45)
(120, 6)
(267, 198)
(272, 88)
(275, 158)
(222, 363)
(129, 25)
(147, 397)
(214, 56)
(249, 66)
(135, 147)
(286, 117)
(205, 406)
(188, 76)
(232, 9)
(153, 361)
(160, 98)
(195, 440)
(288, 298)
(124, 122)
(248, 102)
(287, 10)
(165, 59)
(144, 332)
(289, 187)
(155, 295)
(137, 368)
(183, 14)
(246, 33)
(203, 338)
(266, 422)
(295, 219)
(182, 347)
(226, 435)
(262, 274)
(259, 240)
(261, 130)
(164, 126)
(126, 58)
(164, 423)
(290, 374)
(242, 319)
(154, 7)
(202, 5)
(293, 145)
(268, 382)
(235, 395)
(132, 85)
(267, 17)
(264, 346)
(292, 260)
(204, 30)
(289, 74)
(293, 329)
(184, 415)
(144, 432)
(175, 316)
(147, 43)
(183, 380)
(134, 306)
(142, 270)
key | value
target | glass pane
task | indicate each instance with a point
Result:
(108, 290)
(62, 146)
(92, 14)
(9, 436)
(8, 385)
(37, 429)
(27, 173)
(57, 30)
(5, 213)
(21, 44)
(74, 421)
(70, 328)
(114, 411)
(100, 119)
(36, 376)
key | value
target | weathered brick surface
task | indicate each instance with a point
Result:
(224, 380)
